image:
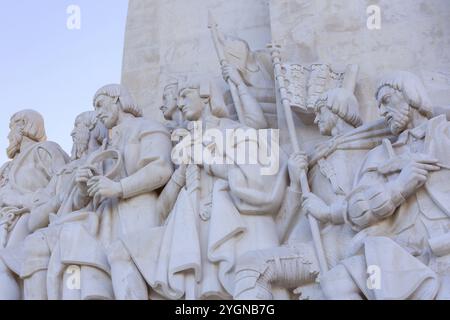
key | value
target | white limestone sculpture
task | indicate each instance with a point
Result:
(63, 206)
(224, 211)
(399, 205)
(33, 163)
(128, 205)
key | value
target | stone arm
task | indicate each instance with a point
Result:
(39, 216)
(51, 159)
(373, 200)
(169, 194)
(266, 95)
(253, 112)
(154, 162)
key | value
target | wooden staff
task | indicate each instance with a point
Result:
(213, 26)
(314, 226)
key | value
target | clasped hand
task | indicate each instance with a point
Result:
(96, 186)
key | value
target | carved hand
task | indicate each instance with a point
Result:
(102, 186)
(317, 207)
(82, 176)
(415, 173)
(296, 164)
(230, 72)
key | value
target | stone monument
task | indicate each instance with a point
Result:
(258, 149)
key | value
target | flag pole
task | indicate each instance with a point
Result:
(286, 103)
(213, 26)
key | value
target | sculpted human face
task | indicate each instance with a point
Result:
(191, 104)
(394, 108)
(326, 121)
(107, 109)
(169, 103)
(80, 136)
(14, 137)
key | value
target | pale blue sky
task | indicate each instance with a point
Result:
(54, 70)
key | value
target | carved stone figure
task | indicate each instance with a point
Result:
(62, 199)
(128, 203)
(220, 214)
(33, 163)
(331, 178)
(249, 75)
(399, 205)
(253, 116)
(255, 67)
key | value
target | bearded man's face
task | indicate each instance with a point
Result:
(15, 138)
(80, 136)
(395, 109)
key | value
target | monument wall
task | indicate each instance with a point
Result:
(170, 38)
(166, 38)
(413, 35)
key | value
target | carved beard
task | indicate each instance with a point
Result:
(400, 120)
(15, 140)
(80, 143)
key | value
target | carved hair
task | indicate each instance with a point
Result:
(412, 89)
(121, 93)
(97, 128)
(342, 103)
(33, 124)
(208, 90)
(88, 118)
(92, 134)
(172, 84)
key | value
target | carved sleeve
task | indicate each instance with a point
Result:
(254, 115)
(51, 159)
(154, 163)
(372, 200)
(169, 195)
(290, 208)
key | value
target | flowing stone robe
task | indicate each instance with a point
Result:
(58, 201)
(65, 210)
(401, 239)
(239, 205)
